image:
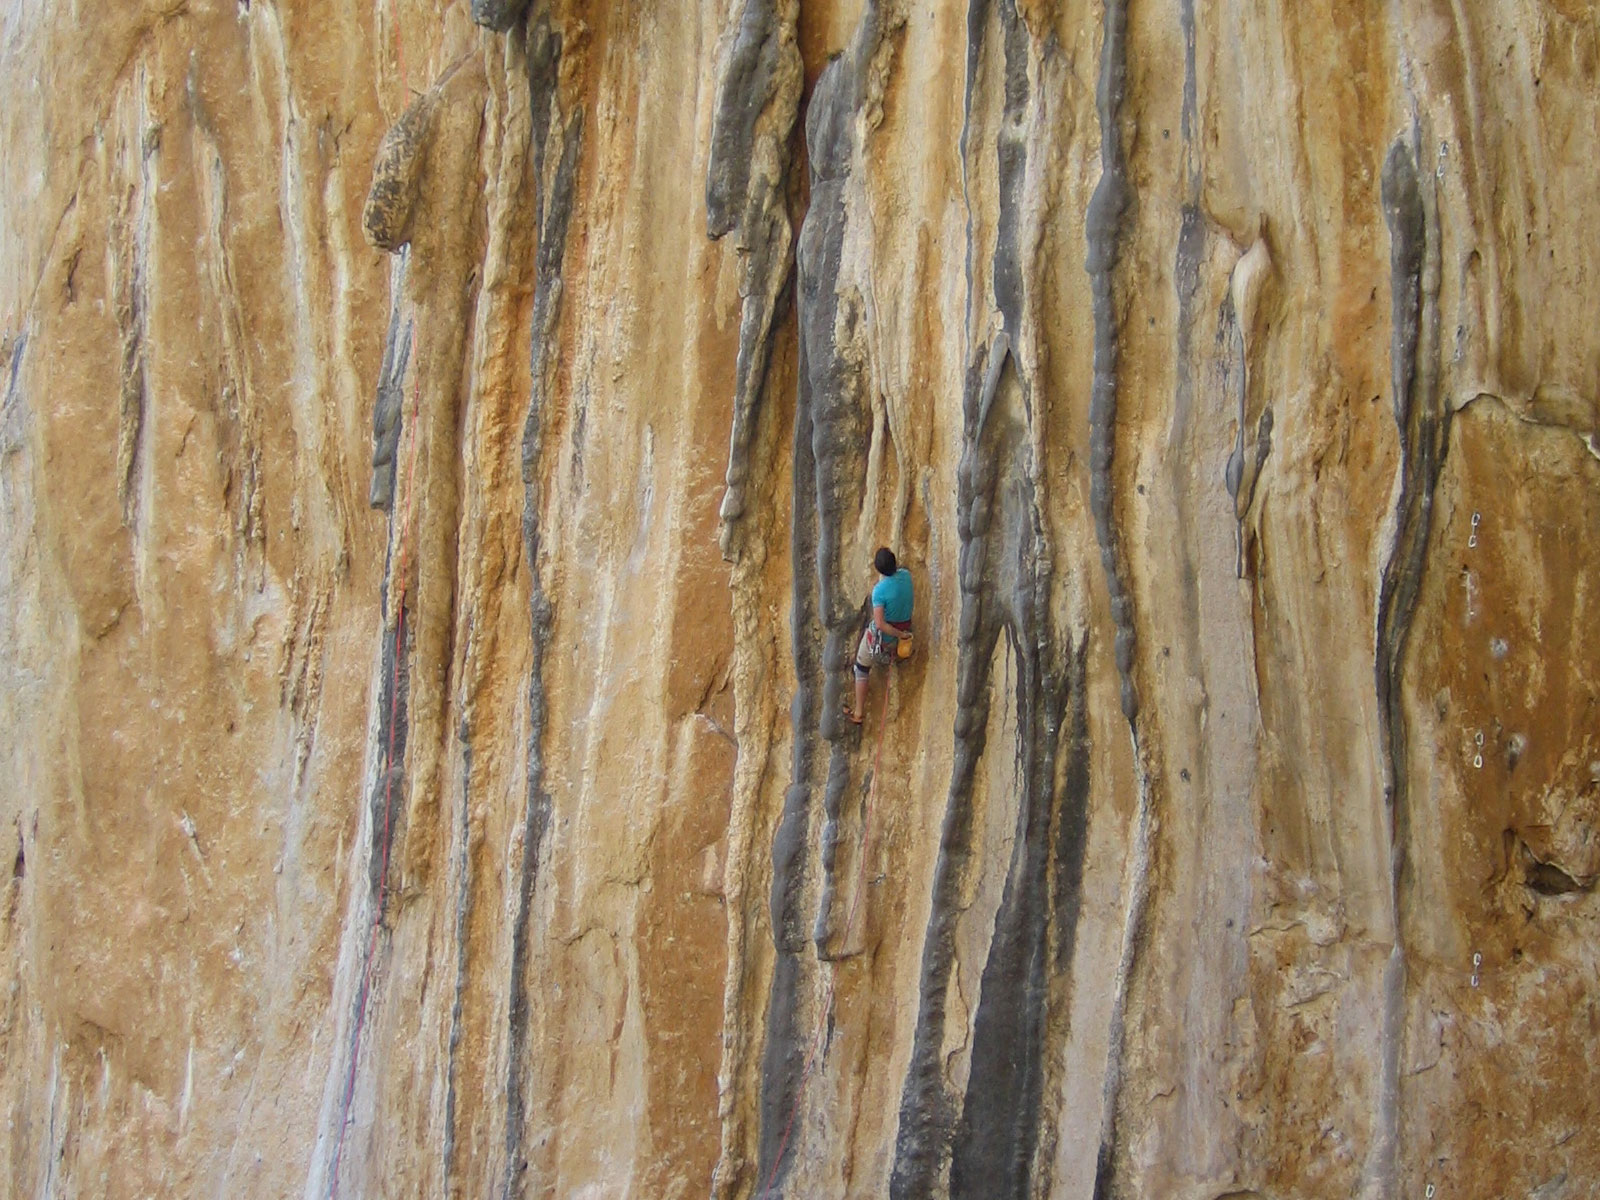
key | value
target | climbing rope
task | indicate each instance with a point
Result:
(388, 777)
(849, 927)
(403, 560)
(400, 60)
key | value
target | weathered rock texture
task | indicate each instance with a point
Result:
(441, 451)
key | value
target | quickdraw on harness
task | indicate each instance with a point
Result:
(878, 643)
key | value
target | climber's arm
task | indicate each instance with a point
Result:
(882, 622)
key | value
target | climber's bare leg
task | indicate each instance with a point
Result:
(861, 672)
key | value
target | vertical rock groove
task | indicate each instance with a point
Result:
(993, 1147)
(927, 1108)
(988, 1135)
(12, 407)
(783, 1051)
(831, 422)
(1113, 195)
(757, 101)
(464, 893)
(389, 781)
(999, 1130)
(132, 236)
(1424, 427)
(1108, 208)
(1250, 275)
(557, 135)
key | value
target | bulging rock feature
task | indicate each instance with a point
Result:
(387, 408)
(402, 158)
(442, 455)
(498, 15)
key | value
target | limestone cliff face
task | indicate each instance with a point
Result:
(441, 453)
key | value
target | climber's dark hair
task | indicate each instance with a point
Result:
(884, 561)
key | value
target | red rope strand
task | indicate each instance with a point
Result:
(394, 702)
(388, 780)
(849, 925)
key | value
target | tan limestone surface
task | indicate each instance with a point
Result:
(442, 447)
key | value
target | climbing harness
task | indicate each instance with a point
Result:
(878, 646)
(849, 926)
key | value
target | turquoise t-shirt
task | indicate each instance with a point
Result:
(894, 593)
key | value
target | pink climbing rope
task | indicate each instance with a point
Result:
(849, 926)
(400, 59)
(388, 777)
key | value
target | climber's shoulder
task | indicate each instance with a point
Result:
(894, 594)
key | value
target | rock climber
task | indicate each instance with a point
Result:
(888, 633)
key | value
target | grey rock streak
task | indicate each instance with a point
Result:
(557, 137)
(831, 424)
(746, 182)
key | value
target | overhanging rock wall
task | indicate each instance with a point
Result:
(441, 454)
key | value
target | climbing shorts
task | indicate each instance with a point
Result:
(875, 649)
(866, 656)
